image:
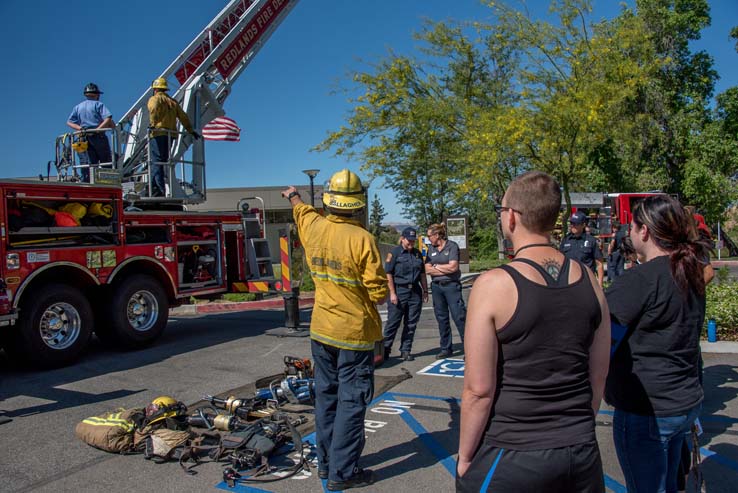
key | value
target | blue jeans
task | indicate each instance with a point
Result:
(344, 386)
(649, 449)
(409, 304)
(447, 297)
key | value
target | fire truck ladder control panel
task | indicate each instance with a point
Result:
(200, 79)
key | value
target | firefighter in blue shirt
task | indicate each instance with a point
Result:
(91, 114)
(582, 246)
(408, 290)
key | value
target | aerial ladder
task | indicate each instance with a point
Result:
(200, 79)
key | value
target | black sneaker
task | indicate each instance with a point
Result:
(323, 473)
(406, 356)
(443, 355)
(361, 478)
(387, 352)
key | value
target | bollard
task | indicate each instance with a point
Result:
(291, 310)
(711, 330)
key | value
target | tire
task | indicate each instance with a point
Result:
(53, 329)
(136, 315)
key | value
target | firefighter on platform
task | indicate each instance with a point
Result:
(346, 266)
(579, 245)
(408, 290)
(92, 114)
(164, 112)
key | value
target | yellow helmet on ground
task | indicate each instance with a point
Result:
(344, 191)
(163, 407)
(160, 83)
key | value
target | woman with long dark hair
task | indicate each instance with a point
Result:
(653, 382)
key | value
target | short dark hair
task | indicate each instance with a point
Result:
(537, 196)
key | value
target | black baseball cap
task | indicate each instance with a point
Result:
(410, 234)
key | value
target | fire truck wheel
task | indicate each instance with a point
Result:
(138, 312)
(55, 329)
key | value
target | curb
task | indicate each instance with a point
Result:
(724, 263)
(240, 306)
(724, 347)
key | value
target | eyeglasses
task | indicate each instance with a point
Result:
(500, 208)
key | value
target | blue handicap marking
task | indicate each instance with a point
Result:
(448, 367)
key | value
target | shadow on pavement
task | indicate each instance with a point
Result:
(421, 456)
(720, 460)
(182, 335)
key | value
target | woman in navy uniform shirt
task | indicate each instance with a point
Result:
(408, 290)
(443, 267)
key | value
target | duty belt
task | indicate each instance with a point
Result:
(444, 283)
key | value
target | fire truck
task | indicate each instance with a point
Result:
(611, 206)
(107, 256)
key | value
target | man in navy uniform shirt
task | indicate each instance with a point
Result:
(408, 290)
(578, 245)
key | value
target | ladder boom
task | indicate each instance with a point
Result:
(204, 72)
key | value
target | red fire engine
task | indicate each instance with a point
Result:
(110, 258)
(77, 261)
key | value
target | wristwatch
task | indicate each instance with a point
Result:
(293, 194)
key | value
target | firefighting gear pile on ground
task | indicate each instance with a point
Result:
(242, 433)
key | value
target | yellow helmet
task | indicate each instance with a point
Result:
(160, 83)
(163, 407)
(344, 192)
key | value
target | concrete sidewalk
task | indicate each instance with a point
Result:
(724, 347)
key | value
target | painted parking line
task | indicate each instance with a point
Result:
(391, 400)
(435, 448)
(720, 459)
(450, 465)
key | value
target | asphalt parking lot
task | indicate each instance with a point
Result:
(411, 429)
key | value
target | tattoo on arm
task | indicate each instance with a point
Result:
(552, 267)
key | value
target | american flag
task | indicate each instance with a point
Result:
(222, 128)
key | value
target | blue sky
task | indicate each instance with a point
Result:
(284, 102)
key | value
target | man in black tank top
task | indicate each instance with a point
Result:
(536, 362)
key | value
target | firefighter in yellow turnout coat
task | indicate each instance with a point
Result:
(349, 280)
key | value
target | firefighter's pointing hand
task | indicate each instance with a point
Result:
(286, 192)
(291, 193)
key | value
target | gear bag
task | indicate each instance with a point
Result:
(164, 444)
(112, 431)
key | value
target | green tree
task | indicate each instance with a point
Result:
(411, 118)
(573, 84)
(711, 169)
(674, 106)
(376, 216)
